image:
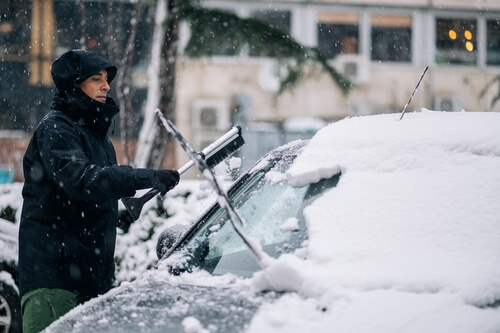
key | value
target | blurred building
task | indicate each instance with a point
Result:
(381, 45)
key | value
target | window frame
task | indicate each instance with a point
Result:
(477, 38)
(481, 39)
(482, 27)
(365, 30)
(245, 11)
(304, 28)
(400, 15)
(360, 18)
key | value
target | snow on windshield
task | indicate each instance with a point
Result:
(409, 238)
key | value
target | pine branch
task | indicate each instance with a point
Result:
(483, 92)
(213, 30)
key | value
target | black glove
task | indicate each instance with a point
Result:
(165, 180)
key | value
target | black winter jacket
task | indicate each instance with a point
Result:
(72, 186)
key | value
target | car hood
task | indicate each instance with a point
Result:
(151, 305)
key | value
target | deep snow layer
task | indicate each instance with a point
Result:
(409, 240)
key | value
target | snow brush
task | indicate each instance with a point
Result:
(215, 153)
(235, 218)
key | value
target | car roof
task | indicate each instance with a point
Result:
(412, 225)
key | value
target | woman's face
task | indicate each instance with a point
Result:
(96, 86)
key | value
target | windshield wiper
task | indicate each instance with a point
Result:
(236, 219)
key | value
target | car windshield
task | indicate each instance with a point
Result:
(273, 212)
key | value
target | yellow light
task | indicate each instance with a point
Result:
(452, 34)
(469, 46)
(468, 35)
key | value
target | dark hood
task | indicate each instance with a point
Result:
(68, 71)
(77, 66)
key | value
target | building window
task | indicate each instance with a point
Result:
(279, 19)
(493, 42)
(456, 41)
(68, 24)
(391, 38)
(15, 37)
(338, 33)
(85, 24)
(216, 40)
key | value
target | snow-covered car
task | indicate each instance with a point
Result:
(10, 309)
(374, 225)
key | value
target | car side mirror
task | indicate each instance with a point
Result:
(168, 238)
(194, 255)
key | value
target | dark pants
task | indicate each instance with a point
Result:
(41, 307)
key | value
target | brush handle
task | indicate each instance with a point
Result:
(215, 153)
(134, 205)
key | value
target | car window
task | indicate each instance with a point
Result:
(273, 212)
